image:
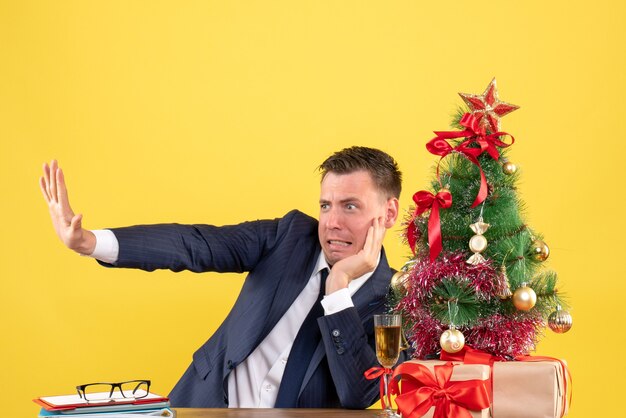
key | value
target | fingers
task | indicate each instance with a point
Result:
(368, 256)
(62, 190)
(77, 222)
(44, 189)
(381, 230)
(374, 238)
(53, 180)
(379, 227)
(370, 239)
(52, 184)
(48, 182)
(45, 179)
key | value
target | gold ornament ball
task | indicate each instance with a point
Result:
(398, 281)
(524, 298)
(478, 243)
(540, 250)
(509, 168)
(560, 321)
(452, 341)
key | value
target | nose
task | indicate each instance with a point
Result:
(332, 219)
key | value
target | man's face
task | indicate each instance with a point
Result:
(349, 203)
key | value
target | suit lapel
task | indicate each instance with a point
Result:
(297, 275)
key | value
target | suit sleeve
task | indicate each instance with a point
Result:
(199, 248)
(350, 352)
(350, 349)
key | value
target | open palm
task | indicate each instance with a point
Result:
(67, 225)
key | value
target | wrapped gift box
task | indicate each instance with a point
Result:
(529, 389)
(460, 372)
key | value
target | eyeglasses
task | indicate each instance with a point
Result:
(105, 392)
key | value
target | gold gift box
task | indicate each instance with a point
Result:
(529, 389)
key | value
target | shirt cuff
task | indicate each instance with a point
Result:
(107, 247)
(337, 301)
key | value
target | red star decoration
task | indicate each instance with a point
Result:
(487, 107)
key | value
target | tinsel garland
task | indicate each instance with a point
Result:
(425, 275)
(506, 336)
(424, 330)
(502, 336)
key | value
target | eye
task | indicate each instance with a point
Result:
(324, 206)
(350, 206)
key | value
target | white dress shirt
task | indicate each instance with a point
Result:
(254, 383)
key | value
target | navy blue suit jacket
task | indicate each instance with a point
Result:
(280, 256)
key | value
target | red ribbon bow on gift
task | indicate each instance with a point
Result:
(469, 355)
(475, 134)
(376, 372)
(450, 399)
(424, 201)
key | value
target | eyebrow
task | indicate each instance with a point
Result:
(343, 201)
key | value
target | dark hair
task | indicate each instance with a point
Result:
(380, 165)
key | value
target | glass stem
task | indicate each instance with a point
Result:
(387, 377)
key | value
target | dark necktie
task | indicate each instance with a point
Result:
(301, 352)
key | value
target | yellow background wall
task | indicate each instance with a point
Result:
(220, 111)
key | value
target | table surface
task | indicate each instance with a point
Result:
(268, 412)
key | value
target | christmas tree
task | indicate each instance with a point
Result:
(477, 274)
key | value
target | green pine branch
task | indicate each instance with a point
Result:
(455, 303)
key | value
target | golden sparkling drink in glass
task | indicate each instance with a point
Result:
(388, 335)
(388, 339)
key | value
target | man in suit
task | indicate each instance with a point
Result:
(301, 331)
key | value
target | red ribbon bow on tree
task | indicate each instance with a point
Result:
(450, 399)
(426, 200)
(378, 372)
(475, 134)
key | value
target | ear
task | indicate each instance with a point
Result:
(391, 212)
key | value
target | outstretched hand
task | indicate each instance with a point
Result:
(354, 266)
(67, 225)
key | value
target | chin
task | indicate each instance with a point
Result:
(334, 257)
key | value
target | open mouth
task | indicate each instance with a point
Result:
(335, 243)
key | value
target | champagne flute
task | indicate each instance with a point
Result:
(387, 332)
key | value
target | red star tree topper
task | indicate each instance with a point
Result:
(487, 107)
